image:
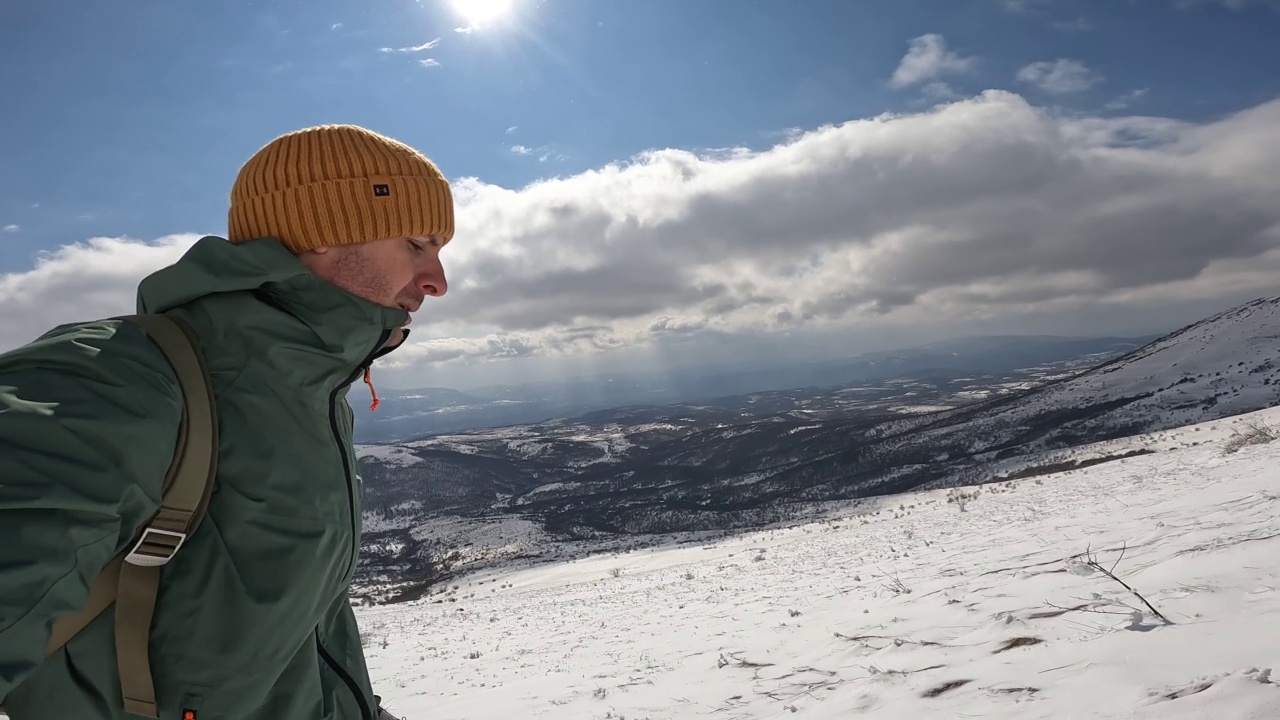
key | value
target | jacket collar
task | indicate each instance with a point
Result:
(290, 313)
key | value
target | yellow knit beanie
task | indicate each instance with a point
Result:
(338, 185)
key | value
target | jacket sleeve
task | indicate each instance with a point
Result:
(89, 416)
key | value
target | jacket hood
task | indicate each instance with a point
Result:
(344, 325)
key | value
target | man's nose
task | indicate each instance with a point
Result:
(431, 279)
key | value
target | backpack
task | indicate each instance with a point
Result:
(132, 579)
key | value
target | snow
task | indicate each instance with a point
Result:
(994, 616)
(1158, 441)
(549, 488)
(611, 441)
(401, 517)
(531, 442)
(502, 434)
(918, 409)
(388, 454)
(482, 541)
(1225, 359)
(446, 443)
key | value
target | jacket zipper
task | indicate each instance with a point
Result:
(346, 678)
(351, 499)
(347, 460)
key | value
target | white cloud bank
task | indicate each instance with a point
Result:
(82, 281)
(984, 212)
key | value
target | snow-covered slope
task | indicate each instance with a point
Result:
(941, 604)
(1222, 365)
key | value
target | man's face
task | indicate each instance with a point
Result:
(396, 272)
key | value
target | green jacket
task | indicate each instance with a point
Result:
(253, 618)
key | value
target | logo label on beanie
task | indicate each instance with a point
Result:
(381, 190)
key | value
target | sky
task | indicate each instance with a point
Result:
(669, 182)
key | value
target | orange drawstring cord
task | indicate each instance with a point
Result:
(368, 380)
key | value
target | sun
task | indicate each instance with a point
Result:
(481, 12)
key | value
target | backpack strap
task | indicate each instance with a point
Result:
(132, 579)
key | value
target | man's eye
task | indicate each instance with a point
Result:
(416, 246)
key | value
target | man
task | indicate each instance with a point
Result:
(334, 240)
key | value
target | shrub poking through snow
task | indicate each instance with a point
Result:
(1255, 432)
(1088, 562)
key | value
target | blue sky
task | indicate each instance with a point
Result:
(130, 118)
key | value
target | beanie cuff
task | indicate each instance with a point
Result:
(347, 211)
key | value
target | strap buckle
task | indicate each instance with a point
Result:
(156, 547)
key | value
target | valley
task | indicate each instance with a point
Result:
(746, 461)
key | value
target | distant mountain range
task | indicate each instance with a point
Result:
(747, 459)
(411, 414)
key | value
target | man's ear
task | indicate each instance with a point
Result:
(314, 259)
(322, 250)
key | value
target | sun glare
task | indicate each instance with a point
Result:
(478, 13)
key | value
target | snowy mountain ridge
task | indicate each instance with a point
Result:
(1218, 367)
(1230, 355)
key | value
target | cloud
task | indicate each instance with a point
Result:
(429, 62)
(986, 213)
(1124, 101)
(512, 130)
(336, 26)
(11, 228)
(542, 153)
(986, 205)
(430, 44)
(928, 58)
(82, 281)
(1060, 76)
(939, 91)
